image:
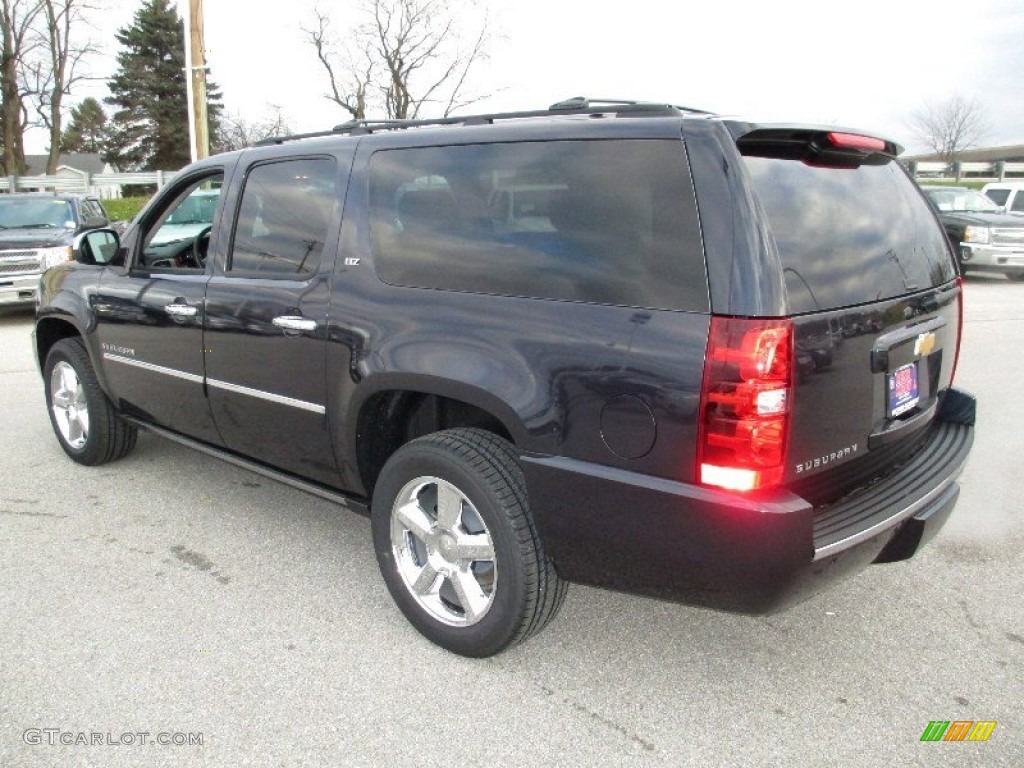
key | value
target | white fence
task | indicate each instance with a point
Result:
(1000, 171)
(105, 185)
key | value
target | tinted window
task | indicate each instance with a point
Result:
(998, 196)
(600, 221)
(849, 235)
(1018, 202)
(283, 218)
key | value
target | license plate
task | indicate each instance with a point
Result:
(903, 389)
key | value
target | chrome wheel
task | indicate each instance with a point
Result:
(443, 551)
(69, 405)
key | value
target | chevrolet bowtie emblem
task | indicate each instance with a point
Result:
(924, 344)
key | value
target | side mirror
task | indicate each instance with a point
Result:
(99, 246)
(95, 222)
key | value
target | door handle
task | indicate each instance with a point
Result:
(180, 310)
(295, 323)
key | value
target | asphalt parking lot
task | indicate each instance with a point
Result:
(173, 595)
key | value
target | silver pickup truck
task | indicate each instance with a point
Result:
(36, 233)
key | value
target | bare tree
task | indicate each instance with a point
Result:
(408, 57)
(951, 126)
(17, 18)
(49, 76)
(238, 133)
(349, 88)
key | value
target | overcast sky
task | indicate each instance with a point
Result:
(866, 64)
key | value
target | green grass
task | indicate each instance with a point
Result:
(125, 208)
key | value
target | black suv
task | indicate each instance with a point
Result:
(37, 231)
(623, 344)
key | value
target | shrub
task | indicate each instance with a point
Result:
(124, 208)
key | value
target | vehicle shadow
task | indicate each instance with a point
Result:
(17, 315)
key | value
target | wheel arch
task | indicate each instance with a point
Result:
(397, 409)
(50, 330)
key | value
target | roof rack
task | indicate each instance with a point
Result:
(578, 105)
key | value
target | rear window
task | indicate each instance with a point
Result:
(849, 236)
(611, 222)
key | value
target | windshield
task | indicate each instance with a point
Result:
(35, 213)
(961, 199)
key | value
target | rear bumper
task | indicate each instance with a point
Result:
(621, 530)
(19, 289)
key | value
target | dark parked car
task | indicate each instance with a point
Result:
(623, 344)
(984, 236)
(37, 231)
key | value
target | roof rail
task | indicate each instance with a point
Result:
(578, 105)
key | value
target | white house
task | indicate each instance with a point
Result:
(73, 167)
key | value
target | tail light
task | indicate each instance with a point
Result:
(959, 326)
(746, 401)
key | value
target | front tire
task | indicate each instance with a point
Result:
(85, 423)
(457, 545)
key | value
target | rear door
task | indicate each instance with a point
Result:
(266, 314)
(871, 286)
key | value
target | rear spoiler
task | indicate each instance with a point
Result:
(832, 147)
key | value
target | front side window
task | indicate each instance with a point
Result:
(998, 196)
(173, 238)
(283, 218)
(610, 222)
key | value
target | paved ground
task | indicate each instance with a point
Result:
(170, 593)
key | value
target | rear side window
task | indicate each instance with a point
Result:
(283, 218)
(1018, 203)
(849, 236)
(611, 222)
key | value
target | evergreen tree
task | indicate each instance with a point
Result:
(87, 131)
(149, 129)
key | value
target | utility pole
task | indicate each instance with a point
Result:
(195, 55)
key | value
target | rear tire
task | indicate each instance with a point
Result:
(457, 545)
(1017, 277)
(85, 423)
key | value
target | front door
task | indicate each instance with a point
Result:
(149, 314)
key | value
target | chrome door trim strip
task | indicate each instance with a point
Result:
(281, 399)
(225, 385)
(153, 367)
